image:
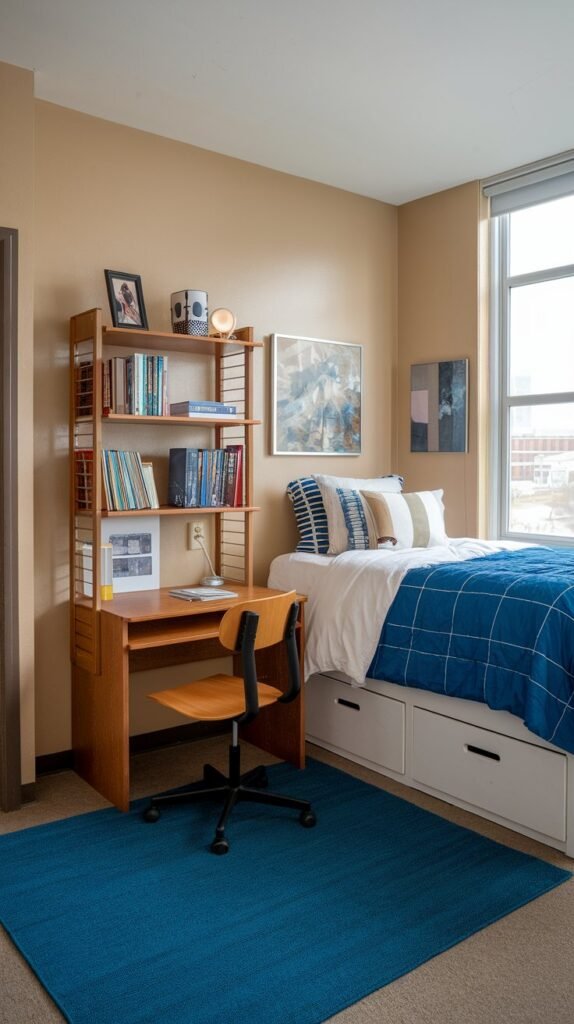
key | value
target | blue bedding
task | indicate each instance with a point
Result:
(498, 629)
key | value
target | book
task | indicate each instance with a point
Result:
(208, 415)
(150, 487)
(193, 408)
(202, 593)
(234, 489)
(183, 485)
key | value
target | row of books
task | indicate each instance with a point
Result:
(206, 477)
(135, 385)
(128, 483)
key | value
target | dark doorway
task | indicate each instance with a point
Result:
(10, 772)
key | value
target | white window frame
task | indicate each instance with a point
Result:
(502, 402)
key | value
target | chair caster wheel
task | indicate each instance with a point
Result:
(152, 814)
(219, 846)
(261, 782)
(307, 819)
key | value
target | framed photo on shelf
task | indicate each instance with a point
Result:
(126, 299)
(439, 406)
(135, 552)
(316, 396)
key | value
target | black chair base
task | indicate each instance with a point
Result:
(232, 789)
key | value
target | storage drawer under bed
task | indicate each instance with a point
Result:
(356, 721)
(516, 780)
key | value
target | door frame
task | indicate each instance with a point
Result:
(10, 755)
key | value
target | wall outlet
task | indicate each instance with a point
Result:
(195, 531)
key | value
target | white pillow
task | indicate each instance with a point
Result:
(335, 502)
(415, 520)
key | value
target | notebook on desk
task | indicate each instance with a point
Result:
(202, 593)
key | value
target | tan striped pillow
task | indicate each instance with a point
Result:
(416, 520)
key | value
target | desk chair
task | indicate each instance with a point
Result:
(244, 629)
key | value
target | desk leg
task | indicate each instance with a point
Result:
(279, 728)
(100, 716)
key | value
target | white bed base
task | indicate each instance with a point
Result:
(457, 750)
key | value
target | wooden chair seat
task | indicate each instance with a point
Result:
(214, 698)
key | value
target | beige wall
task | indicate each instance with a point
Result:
(441, 316)
(17, 211)
(286, 254)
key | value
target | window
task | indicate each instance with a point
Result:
(534, 428)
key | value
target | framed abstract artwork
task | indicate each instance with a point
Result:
(439, 406)
(316, 396)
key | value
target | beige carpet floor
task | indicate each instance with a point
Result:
(518, 971)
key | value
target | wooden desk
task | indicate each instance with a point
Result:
(149, 629)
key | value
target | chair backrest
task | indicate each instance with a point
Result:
(251, 625)
(272, 612)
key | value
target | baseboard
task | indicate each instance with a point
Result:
(63, 760)
(28, 792)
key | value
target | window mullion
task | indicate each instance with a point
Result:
(504, 366)
(541, 276)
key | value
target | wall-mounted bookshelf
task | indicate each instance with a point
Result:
(90, 343)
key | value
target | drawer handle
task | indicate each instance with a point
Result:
(482, 753)
(348, 704)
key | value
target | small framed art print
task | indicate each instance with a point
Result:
(135, 552)
(316, 396)
(126, 299)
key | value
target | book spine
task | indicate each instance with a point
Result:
(229, 493)
(165, 406)
(106, 398)
(238, 475)
(159, 387)
(177, 473)
(130, 385)
(119, 374)
(204, 471)
(192, 477)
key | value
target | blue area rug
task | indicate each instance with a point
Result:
(124, 921)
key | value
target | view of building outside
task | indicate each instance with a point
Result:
(541, 365)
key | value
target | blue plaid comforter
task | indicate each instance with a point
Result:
(498, 629)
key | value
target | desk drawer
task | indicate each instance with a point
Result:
(515, 780)
(356, 720)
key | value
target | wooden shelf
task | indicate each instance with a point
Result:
(164, 633)
(167, 342)
(231, 384)
(167, 510)
(182, 421)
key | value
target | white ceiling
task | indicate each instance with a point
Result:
(392, 99)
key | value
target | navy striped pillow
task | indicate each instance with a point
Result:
(310, 515)
(355, 519)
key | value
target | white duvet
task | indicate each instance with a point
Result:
(350, 594)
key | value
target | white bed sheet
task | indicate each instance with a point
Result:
(350, 594)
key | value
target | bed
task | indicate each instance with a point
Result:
(449, 668)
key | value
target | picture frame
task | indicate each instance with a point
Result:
(126, 300)
(316, 396)
(439, 406)
(135, 552)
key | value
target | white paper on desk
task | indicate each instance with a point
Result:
(202, 593)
